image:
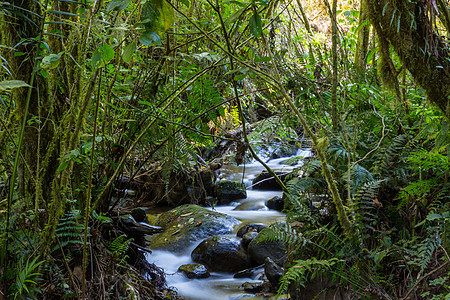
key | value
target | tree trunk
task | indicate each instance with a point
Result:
(362, 44)
(406, 26)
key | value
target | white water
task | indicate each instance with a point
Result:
(222, 286)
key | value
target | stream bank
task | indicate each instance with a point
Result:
(188, 228)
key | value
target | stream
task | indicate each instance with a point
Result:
(222, 286)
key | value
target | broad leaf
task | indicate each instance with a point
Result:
(51, 61)
(255, 25)
(128, 52)
(157, 16)
(118, 5)
(150, 38)
(12, 84)
(102, 56)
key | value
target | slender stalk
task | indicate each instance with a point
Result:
(88, 193)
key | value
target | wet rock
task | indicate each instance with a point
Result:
(253, 273)
(250, 227)
(228, 190)
(196, 271)
(276, 203)
(139, 214)
(292, 161)
(247, 238)
(187, 224)
(265, 181)
(284, 150)
(273, 271)
(259, 250)
(221, 254)
(251, 205)
(253, 287)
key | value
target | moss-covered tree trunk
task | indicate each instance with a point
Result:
(21, 33)
(362, 44)
(406, 26)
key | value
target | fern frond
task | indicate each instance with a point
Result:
(120, 245)
(299, 272)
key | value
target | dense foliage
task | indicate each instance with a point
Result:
(96, 92)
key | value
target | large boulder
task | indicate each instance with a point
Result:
(259, 250)
(227, 191)
(194, 271)
(265, 181)
(275, 203)
(221, 254)
(186, 224)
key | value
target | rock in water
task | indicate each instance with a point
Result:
(194, 271)
(259, 250)
(273, 271)
(275, 203)
(221, 254)
(186, 224)
(228, 190)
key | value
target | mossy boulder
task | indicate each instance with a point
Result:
(186, 224)
(222, 254)
(229, 190)
(195, 271)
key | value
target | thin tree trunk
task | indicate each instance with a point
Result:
(362, 43)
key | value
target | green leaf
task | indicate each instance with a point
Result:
(118, 5)
(432, 217)
(157, 16)
(128, 52)
(265, 58)
(62, 166)
(150, 38)
(255, 25)
(51, 61)
(102, 56)
(185, 2)
(12, 84)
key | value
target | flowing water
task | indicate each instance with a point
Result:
(222, 286)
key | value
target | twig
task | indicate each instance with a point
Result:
(422, 278)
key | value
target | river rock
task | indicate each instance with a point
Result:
(284, 150)
(187, 224)
(247, 238)
(139, 214)
(221, 254)
(250, 227)
(251, 205)
(265, 181)
(196, 271)
(255, 273)
(276, 203)
(273, 271)
(259, 250)
(227, 191)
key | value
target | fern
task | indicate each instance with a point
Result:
(70, 229)
(299, 272)
(367, 201)
(120, 245)
(286, 234)
(27, 278)
(390, 155)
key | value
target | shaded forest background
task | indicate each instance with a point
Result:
(94, 93)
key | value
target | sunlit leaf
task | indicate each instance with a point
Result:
(128, 52)
(12, 84)
(51, 61)
(102, 56)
